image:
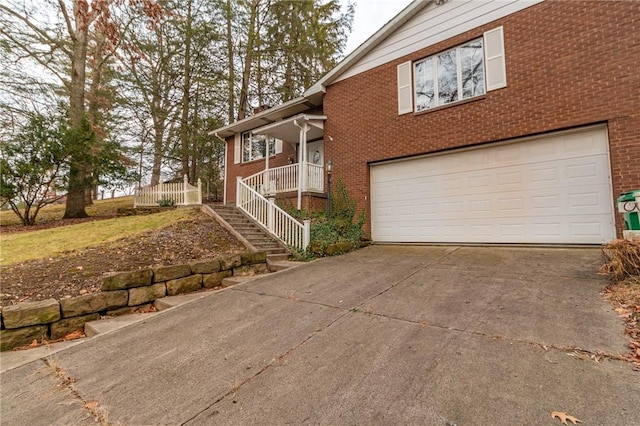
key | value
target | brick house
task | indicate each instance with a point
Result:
(466, 122)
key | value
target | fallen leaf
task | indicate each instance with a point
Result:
(564, 417)
(90, 405)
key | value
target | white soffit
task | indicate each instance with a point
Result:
(268, 116)
(287, 130)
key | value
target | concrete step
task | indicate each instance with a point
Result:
(245, 225)
(275, 266)
(101, 326)
(173, 301)
(230, 281)
(250, 231)
(278, 257)
(262, 245)
(279, 250)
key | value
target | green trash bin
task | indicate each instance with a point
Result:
(628, 204)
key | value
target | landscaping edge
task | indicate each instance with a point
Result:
(120, 293)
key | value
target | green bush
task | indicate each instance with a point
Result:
(166, 202)
(340, 234)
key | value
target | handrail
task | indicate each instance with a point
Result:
(276, 221)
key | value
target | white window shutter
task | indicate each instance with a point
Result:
(494, 58)
(405, 94)
(278, 146)
(237, 148)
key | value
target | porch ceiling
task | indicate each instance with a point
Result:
(287, 130)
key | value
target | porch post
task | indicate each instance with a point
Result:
(265, 176)
(305, 166)
(271, 214)
(302, 161)
(185, 190)
(238, 201)
(306, 236)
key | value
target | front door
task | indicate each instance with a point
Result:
(315, 153)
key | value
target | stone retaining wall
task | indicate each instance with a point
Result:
(120, 293)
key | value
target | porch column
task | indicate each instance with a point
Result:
(302, 160)
(266, 176)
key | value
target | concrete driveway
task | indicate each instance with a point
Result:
(386, 335)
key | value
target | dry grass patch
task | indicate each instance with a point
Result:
(53, 212)
(622, 259)
(622, 265)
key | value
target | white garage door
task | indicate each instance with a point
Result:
(554, 189)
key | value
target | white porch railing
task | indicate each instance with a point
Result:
(183, 194)
(278, 222)
(315, 177)
(285, 179)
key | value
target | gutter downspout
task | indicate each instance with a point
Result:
(224, 187)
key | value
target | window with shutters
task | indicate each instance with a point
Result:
(450, 76)
(463, 72)
(253, 146)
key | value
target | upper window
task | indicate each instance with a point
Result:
(253, 146)
(450, 76)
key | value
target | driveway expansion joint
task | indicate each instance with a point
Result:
(67, 382)
(276, 361)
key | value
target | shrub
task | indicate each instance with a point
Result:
(166, 202)
(338, 235)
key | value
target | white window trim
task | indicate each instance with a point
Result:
(436, 88)
(237, 149)
(277, 147)
(490, 82)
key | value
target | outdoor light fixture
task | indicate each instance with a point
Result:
(329, 170)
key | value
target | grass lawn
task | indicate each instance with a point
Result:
(46, 243)
(51, 212)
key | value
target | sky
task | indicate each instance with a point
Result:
(370, 16)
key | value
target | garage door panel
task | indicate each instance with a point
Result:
(552, 190)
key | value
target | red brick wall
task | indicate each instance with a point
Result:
(569, 63)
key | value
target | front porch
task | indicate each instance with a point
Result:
(306, 173)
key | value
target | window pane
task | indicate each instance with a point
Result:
(447, 77)
(246, 147)
(471, 59)
(272, 146)
(257, 147)
(425, 97)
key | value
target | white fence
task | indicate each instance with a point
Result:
(278, 222)
(182, 194)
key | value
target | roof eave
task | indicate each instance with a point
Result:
(267, 116)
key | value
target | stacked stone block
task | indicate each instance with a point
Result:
(120, 293)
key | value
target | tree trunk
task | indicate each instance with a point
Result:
(248, 61)
(94, 113)
(232, 74)
(186, 90)
(158, 153)
(75, 207)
